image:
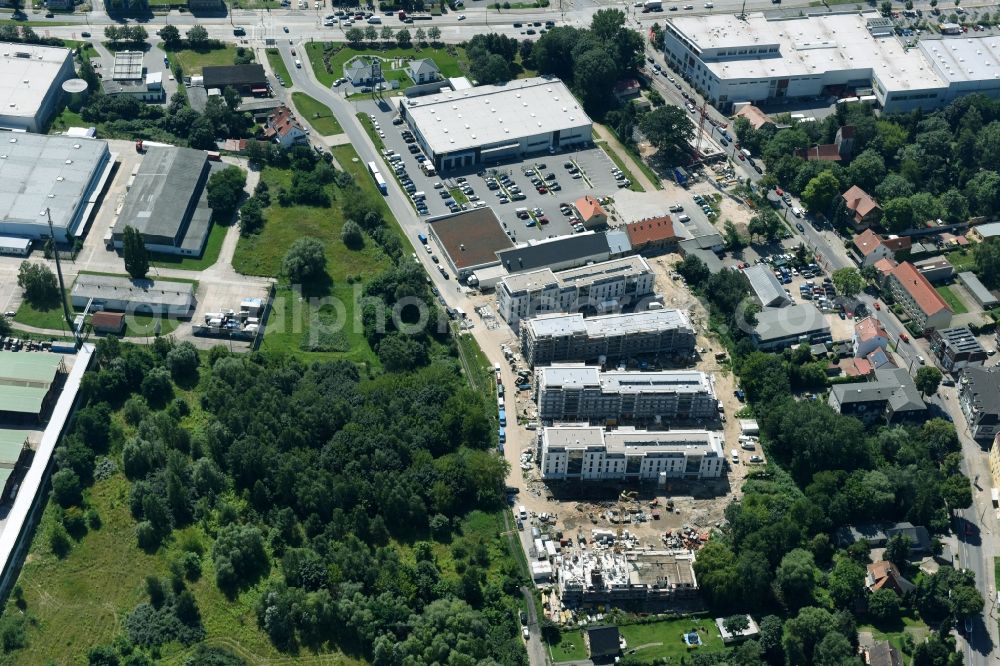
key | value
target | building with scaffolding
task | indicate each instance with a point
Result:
(620, 578)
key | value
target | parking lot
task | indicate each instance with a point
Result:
(592, 165)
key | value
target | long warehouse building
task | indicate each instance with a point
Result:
(461, 129)
(602, 287)
(570, 337)
(577, 392)
(591, 453)
(64, 175)
(760, 58)
(31, 77)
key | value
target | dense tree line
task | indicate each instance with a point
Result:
(920, 166)
(310, 470)
(590, 60)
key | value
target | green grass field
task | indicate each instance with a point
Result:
(278, 67)
(450, 65)
(208, 258)
(192, 62)
(961, 260)
(317, 114)
(292, 327)
(570, 648)
(952, 299)
(52, 318)
(662, 640)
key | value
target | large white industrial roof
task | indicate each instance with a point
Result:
(808, 46)
(486, 115)
(964, 58)
(27, 72)
(632, 441)
(46, 171)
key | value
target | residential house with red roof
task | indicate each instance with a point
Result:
(284, 128)
(864, 209)
(869, 335)
(873, 248)
(591, 213)
(925, 307)
(652, 235)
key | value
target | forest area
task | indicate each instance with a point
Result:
(323, 511)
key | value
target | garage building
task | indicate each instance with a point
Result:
(461, 129)
(122, 294)
(62, 174)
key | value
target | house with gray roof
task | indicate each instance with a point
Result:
(878, 534)
(779, 328)
(891, 396)
(359, 71)
(765, 286)
(423, 70)
(979, 397)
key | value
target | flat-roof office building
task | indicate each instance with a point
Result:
(31, 78)
(570, 337)
(602, 287)
(65, 175)
(577, 392)
(591, 453)
(759, 58)
(489, 124)
(167, 202)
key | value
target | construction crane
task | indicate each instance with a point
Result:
(701, 126)
(625, 496)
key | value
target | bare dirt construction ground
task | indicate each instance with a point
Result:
(577, 508)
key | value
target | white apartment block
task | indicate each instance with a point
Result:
(571, 337)
(577, 392)
(591, 453)
(601, 287)
(758, 58)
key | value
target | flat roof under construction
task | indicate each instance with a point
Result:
(578, 375)
(608, 325)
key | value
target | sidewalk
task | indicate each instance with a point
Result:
(626, 157)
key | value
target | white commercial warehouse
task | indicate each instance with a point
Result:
(31, 77)
(464, 128)
(763, 58)
(62, 174)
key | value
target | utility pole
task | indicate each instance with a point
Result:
(62, 285)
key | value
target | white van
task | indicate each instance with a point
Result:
(418, 196)
(684, 218)
(736, 456)
(522, 513)
(374, 20)
(298, 63)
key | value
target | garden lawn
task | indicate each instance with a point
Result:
(278, 67)
(192, 62)
(450, 65)
(317, 114)
(663, 639)
(895, 631)
(213, 246)
(570, 647)
(961, 260)
(52, 317)
(952, 299)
